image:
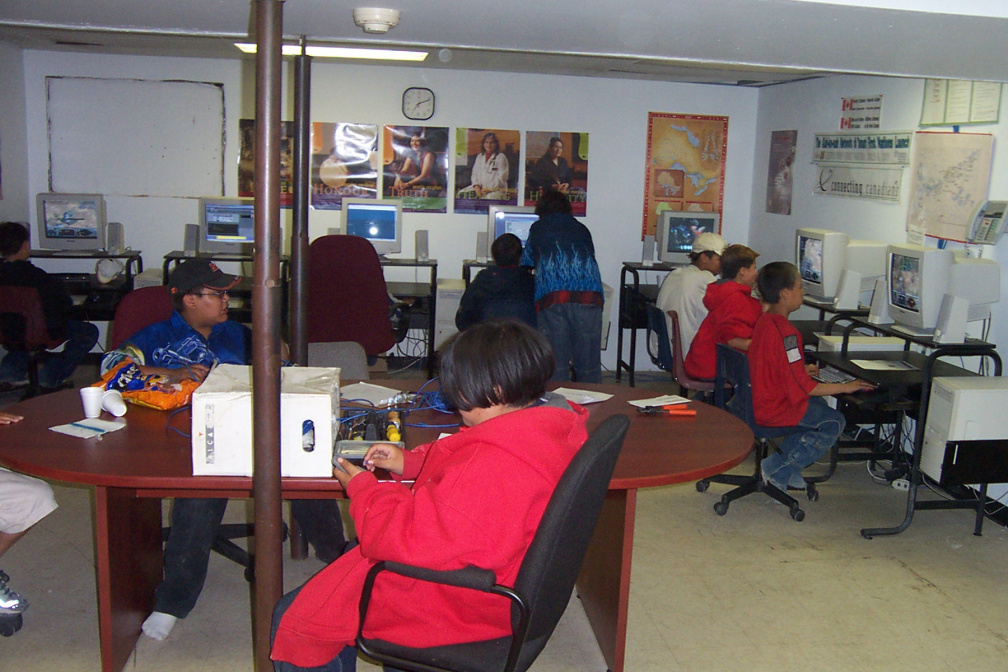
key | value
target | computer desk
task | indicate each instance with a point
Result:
(132, 469)
(913, 385)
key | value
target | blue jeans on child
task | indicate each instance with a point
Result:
(346, 661)
(575, 332)
(822, 426)
(57, 367)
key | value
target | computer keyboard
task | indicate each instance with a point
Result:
(828, 374)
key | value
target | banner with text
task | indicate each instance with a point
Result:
(860, 182)
(866, 148)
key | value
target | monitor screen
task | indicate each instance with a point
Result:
(379, 221)
(227, 225)
(905, 283)
(810, 259)
(511, 219)
(71, 221)
(676, 231)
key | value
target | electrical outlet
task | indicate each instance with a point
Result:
(901, 484)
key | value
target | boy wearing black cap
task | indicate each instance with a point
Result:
(196, 337)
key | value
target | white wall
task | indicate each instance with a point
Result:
(813, 106)
(613, 112)
(13, 137)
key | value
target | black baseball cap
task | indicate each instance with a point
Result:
(196, 272)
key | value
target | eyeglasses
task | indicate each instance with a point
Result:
(222, 294)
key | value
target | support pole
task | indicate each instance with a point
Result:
(298, 284)
(266, 328)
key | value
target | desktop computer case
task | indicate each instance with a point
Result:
(222, 421)
(966, 411)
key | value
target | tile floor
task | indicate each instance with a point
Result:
(751, 590)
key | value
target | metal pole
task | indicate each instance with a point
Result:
(302, 195)
(266, 327)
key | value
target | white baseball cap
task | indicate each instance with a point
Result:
(709, 242)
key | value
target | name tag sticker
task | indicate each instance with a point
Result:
(794, 354)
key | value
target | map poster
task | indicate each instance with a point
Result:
(780, 173)
(684, 169)
(949, 178)
(344, 163)
(416, 167)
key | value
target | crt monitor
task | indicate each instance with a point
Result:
(380, 221)
(226, 226)
(918, 278)
(820, 257)
(978, 281)
(516, 219)
(71, 221)
(675, 232)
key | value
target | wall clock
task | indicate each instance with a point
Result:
(418, 103)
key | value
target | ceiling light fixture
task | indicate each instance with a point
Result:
(375, 19)
(343, 52)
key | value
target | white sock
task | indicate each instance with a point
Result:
(158, 625)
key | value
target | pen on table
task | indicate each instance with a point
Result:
(673, 409)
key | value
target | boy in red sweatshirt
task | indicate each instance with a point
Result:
(731, 311)
(784, 393)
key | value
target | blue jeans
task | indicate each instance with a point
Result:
(194, 526)
(575, 332)
(822, 426)
(58, 366)
(346, 661)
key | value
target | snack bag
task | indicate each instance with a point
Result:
(149, 390)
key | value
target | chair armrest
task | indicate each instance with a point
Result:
(467, 577)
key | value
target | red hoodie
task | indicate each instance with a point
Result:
(731, 313)
(477, 500)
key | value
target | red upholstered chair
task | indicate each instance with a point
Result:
(140, 308)
(669, 355)
(23, 329)
(347, 298)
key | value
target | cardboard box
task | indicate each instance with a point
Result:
(222, 421)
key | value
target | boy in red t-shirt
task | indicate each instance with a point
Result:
(784, 393)
(731, 312)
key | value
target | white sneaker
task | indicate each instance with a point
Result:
(10, 602)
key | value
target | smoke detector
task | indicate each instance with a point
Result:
(376, 19)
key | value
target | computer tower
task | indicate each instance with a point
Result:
(965, 435)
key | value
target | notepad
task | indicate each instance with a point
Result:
(883, 365)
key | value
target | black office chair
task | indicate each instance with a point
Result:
(667, 354)
(545, 579)
(733, 370)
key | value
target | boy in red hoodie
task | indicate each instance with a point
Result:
(731, 312)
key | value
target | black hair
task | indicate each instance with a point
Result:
(178, 298)
(553, 201)
(735, 258)
(774, 278)
(506, 250)
(12, 236)
(549, 148)
(500, 361)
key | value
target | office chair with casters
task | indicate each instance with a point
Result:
(139, 309)
(23, 329)
(347, 297)
(733, 372)
(667, 354)
(545, 579)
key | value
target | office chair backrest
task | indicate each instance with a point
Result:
(669, 355)
(553, 561)
(22, 320)
(347, 298)
(733, 371)
(140, 308)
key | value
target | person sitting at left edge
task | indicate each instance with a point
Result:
(23, 502)
(16, 270)
(187, 345)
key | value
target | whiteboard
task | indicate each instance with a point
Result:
(135, 137)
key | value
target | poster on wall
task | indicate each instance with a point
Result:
(780, 173)
(246, 160)
(486, 168)
(860, 112)
(949, 179)
(344, 163)
(684, 168)
(416, 167)
(557, 160)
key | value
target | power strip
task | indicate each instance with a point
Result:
(901, 484)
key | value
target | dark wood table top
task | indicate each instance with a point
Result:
(153, 452)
